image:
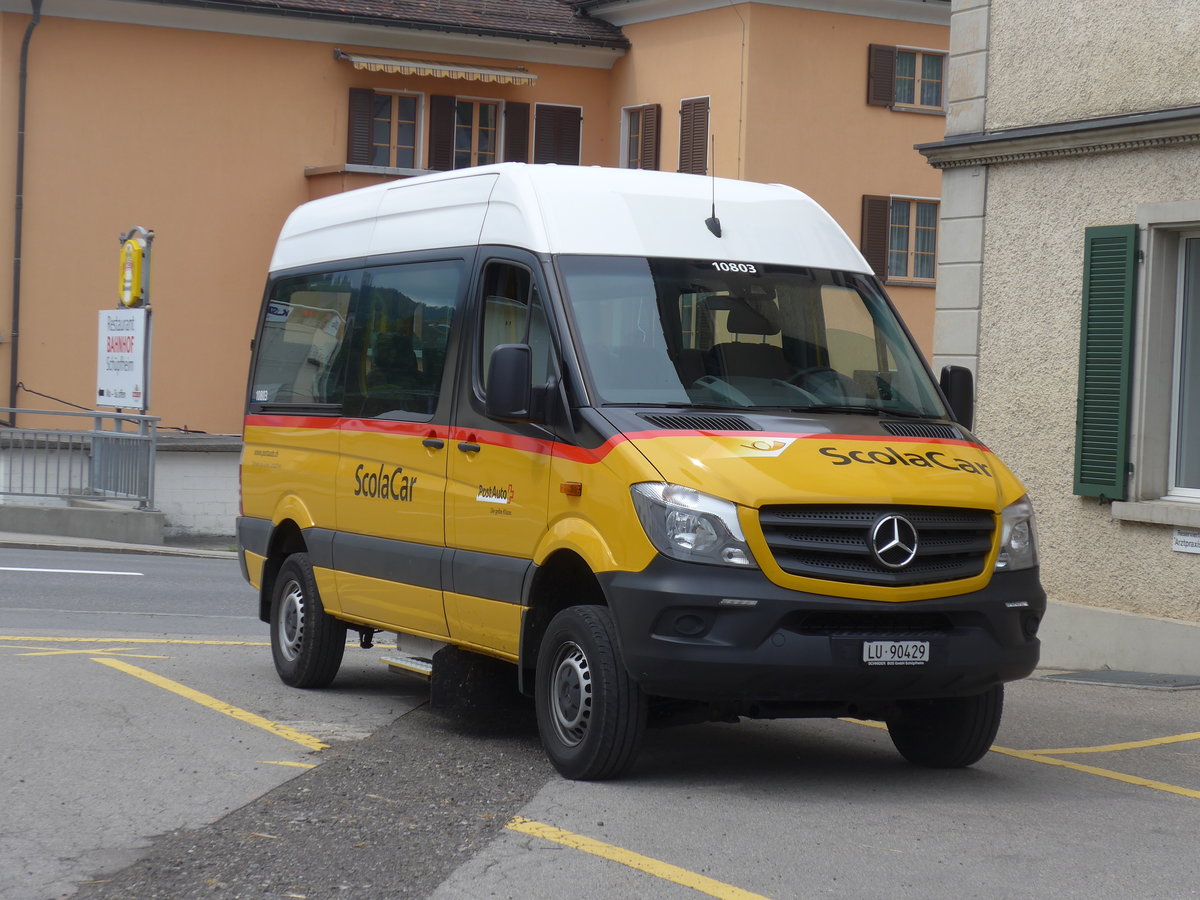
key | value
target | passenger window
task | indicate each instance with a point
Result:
(513, 314)
(300, 348)
(401, 331)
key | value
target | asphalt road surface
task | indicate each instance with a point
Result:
(149, 751)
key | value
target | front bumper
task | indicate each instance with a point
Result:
(727, 636)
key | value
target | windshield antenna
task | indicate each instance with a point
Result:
(713, 223)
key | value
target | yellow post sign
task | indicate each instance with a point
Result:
(133, 286)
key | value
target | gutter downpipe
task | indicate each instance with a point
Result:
(19, 213)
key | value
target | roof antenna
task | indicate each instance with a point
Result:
(713, 223)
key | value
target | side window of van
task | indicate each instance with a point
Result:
(401, 331)
(300, 352)
(513, 314)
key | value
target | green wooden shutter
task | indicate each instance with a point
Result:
(1105, 361)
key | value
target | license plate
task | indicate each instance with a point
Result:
(895, 653)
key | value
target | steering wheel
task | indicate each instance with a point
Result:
(823, 383)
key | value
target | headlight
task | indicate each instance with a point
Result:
(688, 525)
(1018, 537)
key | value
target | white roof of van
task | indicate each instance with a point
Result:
(570, 209)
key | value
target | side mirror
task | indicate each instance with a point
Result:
(958, 384)
(509, 394)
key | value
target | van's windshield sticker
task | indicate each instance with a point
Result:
(889, 456)
(746, 268)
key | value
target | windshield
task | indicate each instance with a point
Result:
(741, 335)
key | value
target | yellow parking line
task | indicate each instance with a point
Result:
(1128, 745)
(292, 765)
(1042, 756)
(1103, 773)
(298, 737)
(78, 640)
(654, 867)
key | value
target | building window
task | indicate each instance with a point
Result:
(385, 129)
(1138, 407)
(899, 238)
(641, 137)
(394, 130)
(1185, 426)
(476, 128)
(693, 136)
(906, 79)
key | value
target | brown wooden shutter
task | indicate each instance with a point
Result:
(358, 138)
(693, 136)
(881, 75)
(648, 152)
(556, 134)
(874, 242)
(516, 132)
(441, 133)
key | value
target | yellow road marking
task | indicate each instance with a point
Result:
(79, 640)
(1128, 745)
(281, 762)
(654, 867)
(1103, 773)
(298, 737)
(1042, 756)
(90, 651)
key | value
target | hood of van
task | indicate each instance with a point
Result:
(761, 468)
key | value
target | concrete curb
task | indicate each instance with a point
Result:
(57, 542)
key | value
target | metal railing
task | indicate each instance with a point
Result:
(71, 463)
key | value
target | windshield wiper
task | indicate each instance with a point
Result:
(862, 409)
(683, 406)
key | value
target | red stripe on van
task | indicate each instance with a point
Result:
(584, 455)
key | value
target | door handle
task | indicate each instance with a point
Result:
(468, 447)
(433, 443)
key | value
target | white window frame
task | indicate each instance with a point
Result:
(909, 278)
(917, 106)
(499, 104)
(623, 160)
(1181, 300)
(422, 137)
(1161, 228)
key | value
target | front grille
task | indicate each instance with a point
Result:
(897, 626)
(833, 542)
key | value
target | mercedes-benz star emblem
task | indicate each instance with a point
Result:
(894, 542)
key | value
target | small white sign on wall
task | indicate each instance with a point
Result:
(1186, 540)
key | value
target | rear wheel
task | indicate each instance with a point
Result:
(306, 642)
(948, 733)
(591, 714)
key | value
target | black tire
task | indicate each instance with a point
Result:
(949, 733)
(591, 714)
(306, 642)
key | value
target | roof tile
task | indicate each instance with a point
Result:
(540, 20)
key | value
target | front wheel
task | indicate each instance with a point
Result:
(948, 733)
(590, 712)
(306, 642)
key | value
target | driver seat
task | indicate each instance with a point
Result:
(750, 316)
